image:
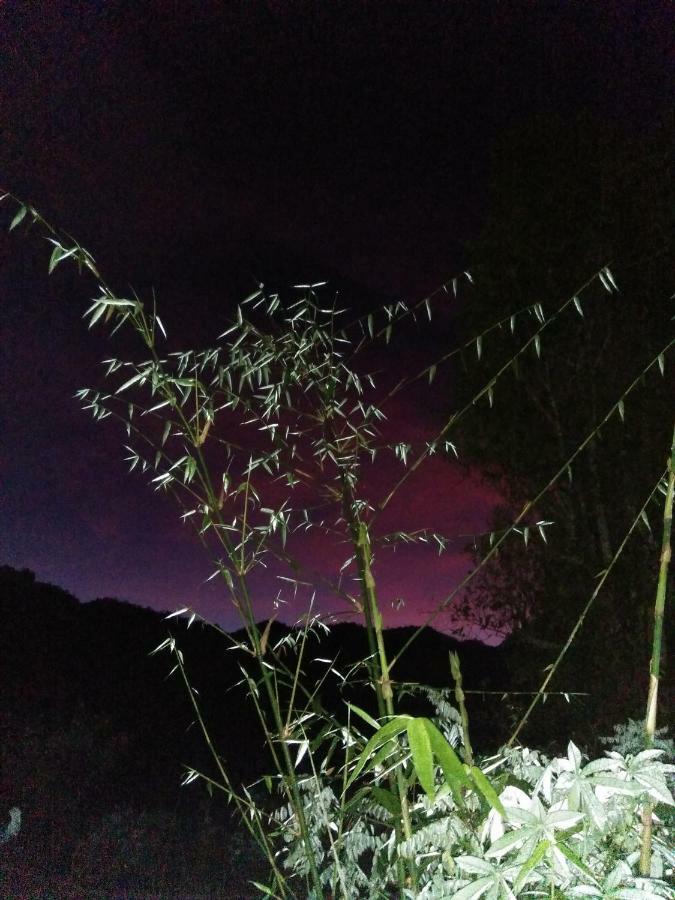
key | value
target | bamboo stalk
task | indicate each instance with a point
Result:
(467, 751)
(655, 661)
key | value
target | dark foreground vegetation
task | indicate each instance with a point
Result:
(95, 740)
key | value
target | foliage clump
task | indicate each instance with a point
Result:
(242, 434)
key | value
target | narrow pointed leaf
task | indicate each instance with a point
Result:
(487, 790)
(420, 748)
(381, 736)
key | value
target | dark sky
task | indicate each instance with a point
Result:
(194, 147)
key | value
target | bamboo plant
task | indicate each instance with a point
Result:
(240, 434)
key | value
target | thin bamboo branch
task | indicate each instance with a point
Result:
(655, 661)
(444, 604)
(577, 626)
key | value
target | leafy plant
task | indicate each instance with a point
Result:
(270, 433)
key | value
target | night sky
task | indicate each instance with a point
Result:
(197, 147)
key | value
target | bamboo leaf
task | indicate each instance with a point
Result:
(131, 381)
(574, 859)
(388, 800)
(54, 259)
(384, 734)
(19, 217)
(610, 278)
(535, 857)
(363, 715)
(422, 758)
(453, 768)
(487, 790)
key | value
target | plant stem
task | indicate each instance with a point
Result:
(584, 612)
(655, 661)
(364, 556)
(459, 697)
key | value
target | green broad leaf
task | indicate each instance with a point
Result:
(388, 800)
(19, 217)
(535, 857)
(362, 714)
(381, 757)
(353, 802)
(453, 768)
(382, 736)
(574, 859)
(487, 790)
(422, 757)
(267, 891)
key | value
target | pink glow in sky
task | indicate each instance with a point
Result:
(74, 515)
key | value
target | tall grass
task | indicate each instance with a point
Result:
(381, 803)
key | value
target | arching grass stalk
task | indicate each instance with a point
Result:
(195, 430)
(249, 814)
(657, 644)
(531, 504)
(584, 612)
